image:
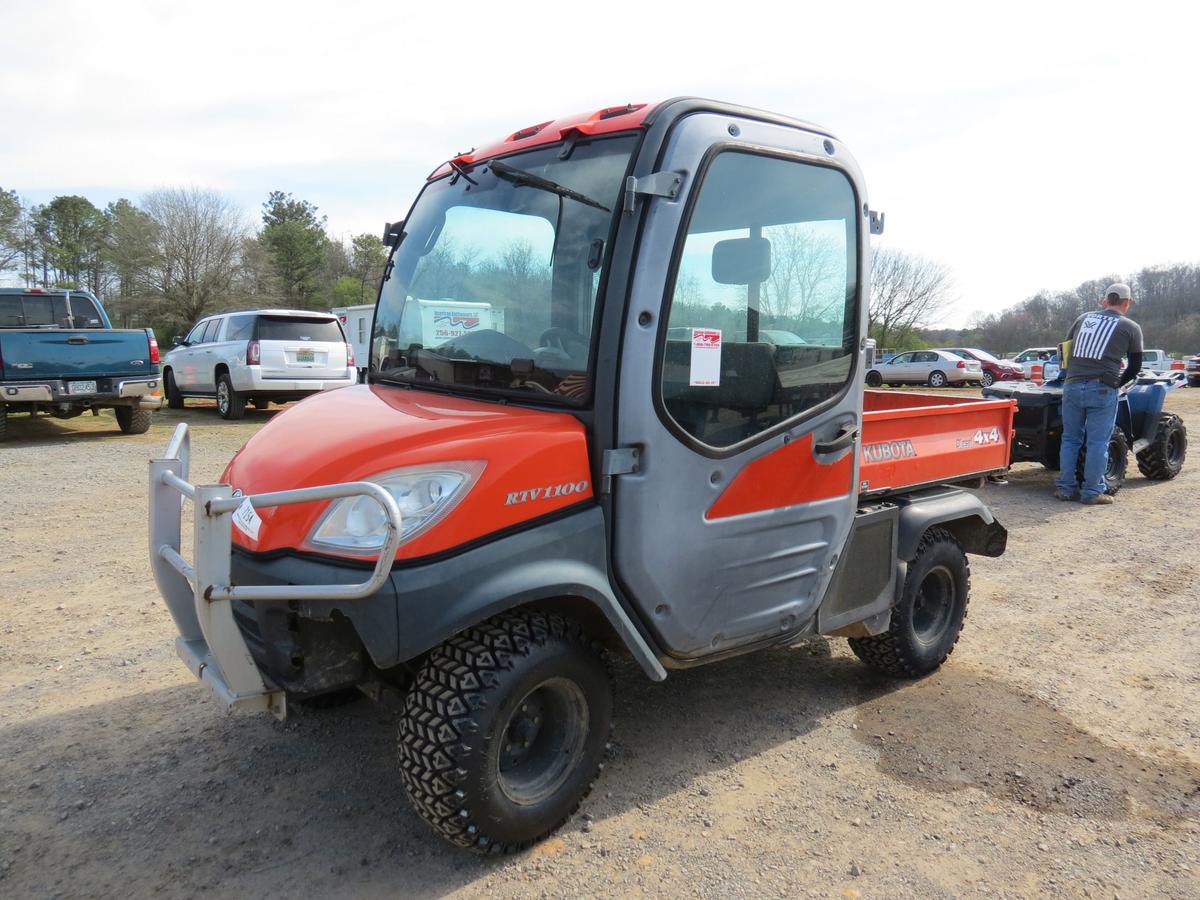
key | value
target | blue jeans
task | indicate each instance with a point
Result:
(1089, 412)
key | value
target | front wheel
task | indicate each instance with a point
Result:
(504, 730)
(132, 421)
(937, 379)
(928, 619)
(230, 404)
(1163, 459)
(874, 379)
(988, 379)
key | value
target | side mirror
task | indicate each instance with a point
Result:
(741, 261)
(393, 233)
(178, 341)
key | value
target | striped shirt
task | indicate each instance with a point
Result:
(1100, 340)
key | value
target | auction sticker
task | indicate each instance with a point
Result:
(246, 520)
(706, 357)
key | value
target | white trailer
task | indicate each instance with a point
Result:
(356, 322)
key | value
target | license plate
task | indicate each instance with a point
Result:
(81, 387)
(305, 356)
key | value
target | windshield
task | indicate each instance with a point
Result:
(494, 284)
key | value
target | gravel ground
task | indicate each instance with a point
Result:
(1057, 753)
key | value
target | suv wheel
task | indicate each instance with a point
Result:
(928, 619)
(937, 379)
(174, 398)
(230, 404)
(504, 730)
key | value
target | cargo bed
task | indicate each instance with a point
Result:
(910, 440)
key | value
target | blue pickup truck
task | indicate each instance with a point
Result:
(60, 356)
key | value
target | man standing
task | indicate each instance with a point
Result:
(1089, 409)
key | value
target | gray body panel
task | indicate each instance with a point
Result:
(423, 605)
(707, 586)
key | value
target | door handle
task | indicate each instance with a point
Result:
(846, 437)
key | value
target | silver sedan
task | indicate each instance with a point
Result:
(936, 368)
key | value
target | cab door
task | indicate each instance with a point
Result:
(729, 531)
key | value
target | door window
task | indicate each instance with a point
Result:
(240, 328)
(901, 359)
(762, 325)
(210, 331)
(197, 332)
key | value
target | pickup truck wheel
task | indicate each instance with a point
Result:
(1163, 459)
(3, 421)
(874, 379)
(1118, 462)
(928, 619)
(504, 730)
(937, 379)
(132, 421)
(174, 398)
(230, 404)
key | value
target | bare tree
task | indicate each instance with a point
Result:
(200, 236)
(908, 292)
(807, 268)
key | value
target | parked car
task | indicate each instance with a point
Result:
(1192, 369)
(258, 355)
(60, 356)
(993, 369)
(935, 368)
(1027, 359)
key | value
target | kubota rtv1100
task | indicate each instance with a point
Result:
(614, 405)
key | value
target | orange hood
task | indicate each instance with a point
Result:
(354, 433)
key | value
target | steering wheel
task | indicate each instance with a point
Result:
(565, 344)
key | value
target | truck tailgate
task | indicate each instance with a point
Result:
(915, 439)
(41, 353)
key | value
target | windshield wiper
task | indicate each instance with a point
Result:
(520, 177)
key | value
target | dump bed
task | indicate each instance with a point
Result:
(909, 439)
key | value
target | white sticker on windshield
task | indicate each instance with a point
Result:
(706, 358)
(246, 520)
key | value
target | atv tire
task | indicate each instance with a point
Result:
(1163, 459)
(131, 420)
(504, 730)
(1118, 462)
(171, 389)
(928, 619)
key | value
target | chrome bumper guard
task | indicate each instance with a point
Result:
(199, 595)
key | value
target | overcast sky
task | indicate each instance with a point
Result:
(1026, 145)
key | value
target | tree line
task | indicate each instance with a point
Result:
(181, 253)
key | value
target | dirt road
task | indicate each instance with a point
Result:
(1056, 754)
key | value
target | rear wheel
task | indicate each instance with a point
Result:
(131, 420)
(230, 404)
(874, 379)
(988, 379)
(1118, 462)
(937, 379)
(3, 421)
(1163, 459)
(928, 619)
(504, 730)
(174, 398)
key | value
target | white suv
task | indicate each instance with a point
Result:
(258, 355)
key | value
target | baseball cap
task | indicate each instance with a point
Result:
(1121, 290)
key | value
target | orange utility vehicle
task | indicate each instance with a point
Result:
(615, 405)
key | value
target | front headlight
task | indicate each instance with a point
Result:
(425, 494)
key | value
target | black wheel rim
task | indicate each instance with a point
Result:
(223, 397)
(934, 604)
(543, 741)
(1174, 447)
